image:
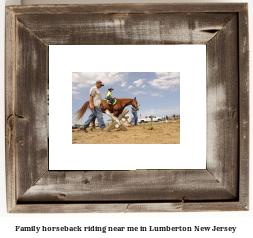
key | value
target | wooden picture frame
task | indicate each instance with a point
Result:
(222, 186)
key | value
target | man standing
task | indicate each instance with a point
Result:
(134, 112)
(95, 101)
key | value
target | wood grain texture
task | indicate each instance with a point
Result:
(129, 8)
(222, 107)
(244, 106)
(223, 186)
(30, 108)
(186, 207)
(140, 185)
(10, 64)
(118, 29)
(129, 207)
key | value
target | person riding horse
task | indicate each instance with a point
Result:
(109, 96)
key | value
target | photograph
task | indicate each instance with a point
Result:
(123, 76)
(139, 108)
(126, 108)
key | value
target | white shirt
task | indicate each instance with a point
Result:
(97, 96)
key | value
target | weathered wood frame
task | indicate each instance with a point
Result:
(222, 186)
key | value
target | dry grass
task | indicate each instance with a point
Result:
(161, 133)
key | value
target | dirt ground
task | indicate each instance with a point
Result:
(162, 133)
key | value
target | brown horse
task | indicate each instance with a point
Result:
(115, 110)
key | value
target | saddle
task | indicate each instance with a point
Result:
(114, 102)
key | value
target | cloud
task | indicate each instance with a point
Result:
(156, 95)
(166, 80)
(86, 80)
(143, 86)
(75, 93)
(130, 86)
(139, 82)
(123, 84)
(138, 92)
(159, 111)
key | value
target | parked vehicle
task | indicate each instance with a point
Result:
(147, 119)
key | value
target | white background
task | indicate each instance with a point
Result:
(243, 220)
(190, 61)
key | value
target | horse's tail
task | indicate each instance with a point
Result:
(82, 110)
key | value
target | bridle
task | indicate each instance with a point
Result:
(134, 103)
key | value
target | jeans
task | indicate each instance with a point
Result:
(96, 113)
(135, 118)
(111, 100)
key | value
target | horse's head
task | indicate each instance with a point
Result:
(134, 103)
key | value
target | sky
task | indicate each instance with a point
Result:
(157, 92)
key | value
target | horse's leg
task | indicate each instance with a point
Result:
(92, 125)
(115, 113)
(128, 123)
